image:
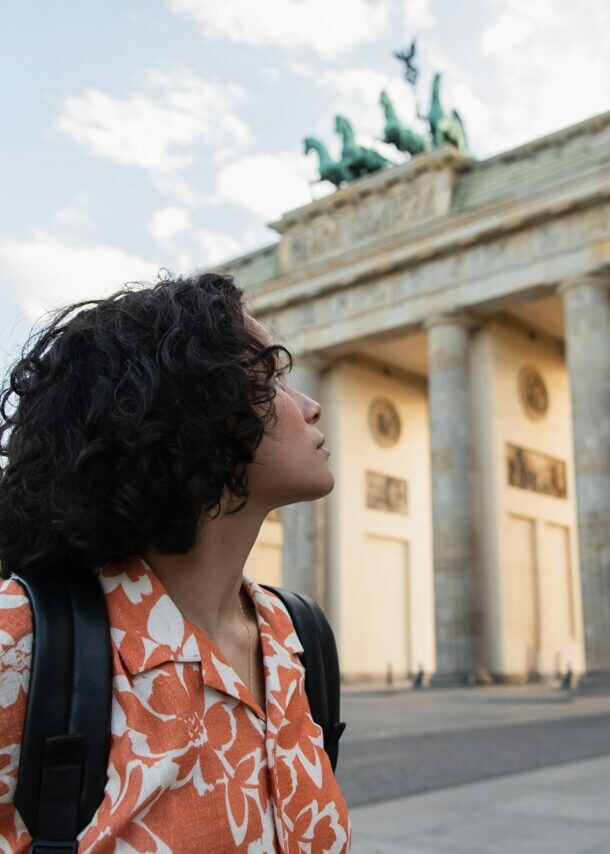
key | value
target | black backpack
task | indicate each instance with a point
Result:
(66, 735)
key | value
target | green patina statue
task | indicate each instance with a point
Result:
(335, 171)
(397, 134)
(358, 159)
(443, 127)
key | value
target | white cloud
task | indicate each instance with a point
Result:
(158, 128)
(210, 248)
(179, 188)
(43, 273)
(516, 22)
(417, 15)
(75, 219)
(270, 75)
(164, 225)
(187, 247)
(268, 184)
(327, 28)
(216, 247)
(354, 93)
(552, 65)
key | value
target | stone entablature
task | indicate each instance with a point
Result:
(378, 295)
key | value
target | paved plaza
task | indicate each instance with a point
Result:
(559, 810)
(488, 770)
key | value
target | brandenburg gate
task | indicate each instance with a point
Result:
(453, 318)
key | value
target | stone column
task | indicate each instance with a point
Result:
(302, 551)
(457, 618)
(587, 318)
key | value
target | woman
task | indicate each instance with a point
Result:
(150, 434)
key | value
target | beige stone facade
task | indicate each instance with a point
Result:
(453, 317)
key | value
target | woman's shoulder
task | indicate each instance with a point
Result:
(15, 616)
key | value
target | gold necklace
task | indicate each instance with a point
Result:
(250, 650)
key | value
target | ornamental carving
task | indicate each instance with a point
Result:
(386, 493)
(399, 208)
(533, 393)
(384, 422)
(536, 472)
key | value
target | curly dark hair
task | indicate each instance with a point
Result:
(127, 417)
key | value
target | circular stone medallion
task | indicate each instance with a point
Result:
(384, 422)
(533, 393)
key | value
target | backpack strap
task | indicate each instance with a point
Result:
(321, 663)
(66, 735)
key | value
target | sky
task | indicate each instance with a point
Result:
(139, 135)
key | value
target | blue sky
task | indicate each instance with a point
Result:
(140, 134)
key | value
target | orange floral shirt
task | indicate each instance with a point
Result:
(195, 764)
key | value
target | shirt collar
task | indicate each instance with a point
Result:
(148, 629)
(146, 626)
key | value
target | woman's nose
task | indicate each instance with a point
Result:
(316, 411)
(311, 409)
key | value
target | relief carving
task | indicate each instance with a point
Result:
(536, 472)
(533, 393)
(352, 226)
(384, 422)
(386, 493)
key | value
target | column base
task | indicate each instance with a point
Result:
(594, 682)
(453, 680)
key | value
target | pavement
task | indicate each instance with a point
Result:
(491, 770)
(560, 810)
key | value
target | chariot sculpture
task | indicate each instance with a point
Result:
(357, 160)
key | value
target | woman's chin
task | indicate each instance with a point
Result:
(311, 492)
(324, 487)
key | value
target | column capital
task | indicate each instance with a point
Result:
(598, 278)
(457, 319)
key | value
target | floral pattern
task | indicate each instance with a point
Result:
(195, 763)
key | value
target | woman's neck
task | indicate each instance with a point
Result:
(205, 582)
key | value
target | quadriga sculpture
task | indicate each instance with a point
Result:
(443, 127)
(397, 134)
(358, 159)
(331, 170)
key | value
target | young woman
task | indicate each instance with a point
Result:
(146, 438)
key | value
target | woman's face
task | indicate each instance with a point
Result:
(291, 462)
